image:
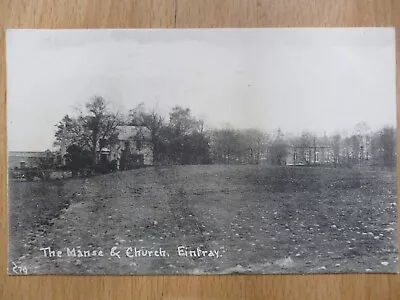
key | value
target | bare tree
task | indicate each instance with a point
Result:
(278, 150)
(154, 122)
(388, 144)
(95, 127)
(336, 145)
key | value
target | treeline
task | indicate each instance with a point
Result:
(361, 147)
(183, 139)
(180, 138)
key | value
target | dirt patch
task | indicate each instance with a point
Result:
(261, 219)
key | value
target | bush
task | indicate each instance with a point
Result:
(106, 167)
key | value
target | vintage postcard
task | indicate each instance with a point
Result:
(202, 151)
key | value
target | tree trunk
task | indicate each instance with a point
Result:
(94, 146)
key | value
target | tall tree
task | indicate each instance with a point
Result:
(101, 124)
(278, 150)
(388, 144)
(182, 121)
(154, 122)
(185, 134)
(225, 146)
(336, 145)
(253, 145)
(70, 131)
(95, 127)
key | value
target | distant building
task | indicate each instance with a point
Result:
(318, 152)
(132, 148)
(24, 159)
(309, 155)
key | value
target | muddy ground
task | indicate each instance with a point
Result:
(259, 219)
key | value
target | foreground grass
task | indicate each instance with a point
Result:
(261, 219)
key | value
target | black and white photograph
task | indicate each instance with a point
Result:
(201, 151)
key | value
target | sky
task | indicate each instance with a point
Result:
(322, 80)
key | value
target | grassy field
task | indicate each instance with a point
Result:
(260, 219)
